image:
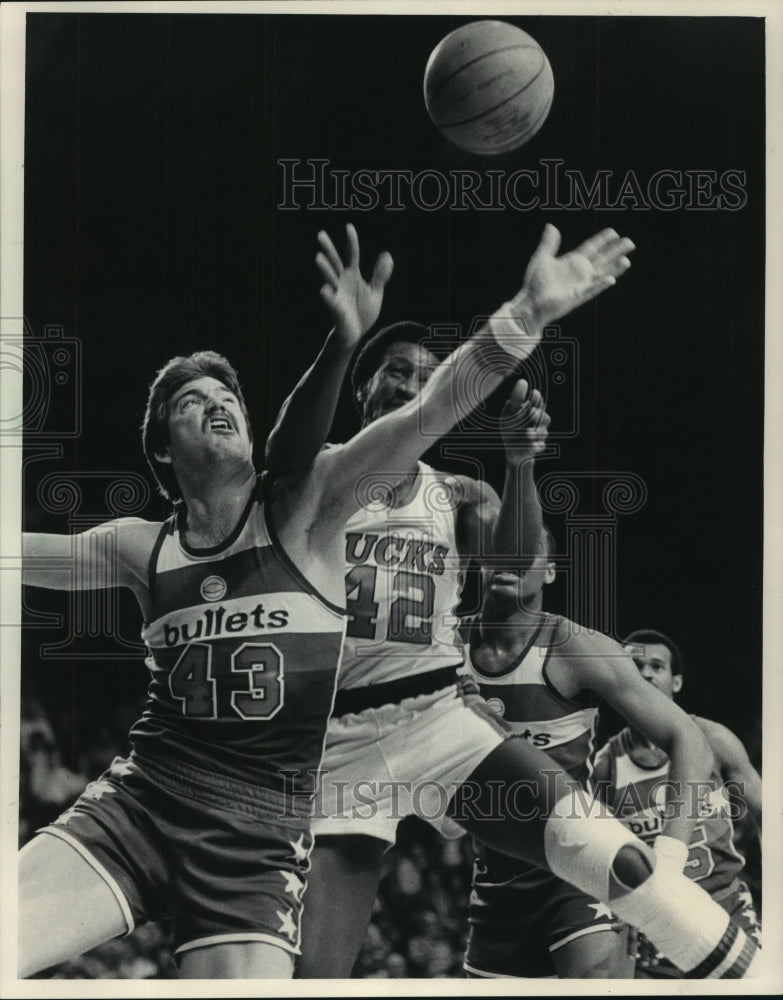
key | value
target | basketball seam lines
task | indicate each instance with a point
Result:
(484, 55)
(488, 111)
(513, 143)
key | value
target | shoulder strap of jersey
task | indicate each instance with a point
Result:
(555, 625)
(277, 546)
(168, 527)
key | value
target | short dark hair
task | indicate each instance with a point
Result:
(155, 428)
(371, 353)
(649, 636)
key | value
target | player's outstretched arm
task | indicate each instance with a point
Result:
(553, 286)
(524, 425)
(734, 765)
(612, 675)
(306, 416)
(114, 554)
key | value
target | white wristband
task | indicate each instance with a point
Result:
(511, 333)
(671, 853)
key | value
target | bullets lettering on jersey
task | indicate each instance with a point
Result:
(537, 739)
(214, 622)
(646, 827)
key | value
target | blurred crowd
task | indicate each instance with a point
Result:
(418, 926)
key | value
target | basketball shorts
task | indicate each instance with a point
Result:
(736, 900)
(516, 922)
(406, 758)
(220, 875)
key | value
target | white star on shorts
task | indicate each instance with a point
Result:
(293, 884)
(67, 815)
(122, 767)
(287, 925)
(97, 789)
(601, 910)
(299, 849)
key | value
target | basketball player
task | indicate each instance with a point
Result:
(631, 775)
(544, 676)
(405, 734)
(242, 594)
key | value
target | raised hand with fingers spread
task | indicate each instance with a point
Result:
(353, 302)
(554, 286)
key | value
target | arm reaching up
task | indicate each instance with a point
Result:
(553, 287)
(524, 424)
(306, 416)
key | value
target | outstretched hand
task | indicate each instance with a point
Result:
(353, 302)
(524, 423)
(554, 286)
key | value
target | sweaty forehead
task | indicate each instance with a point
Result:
(414, 354)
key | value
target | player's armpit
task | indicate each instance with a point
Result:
(114, 554)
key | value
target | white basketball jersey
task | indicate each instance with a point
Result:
(404, 578)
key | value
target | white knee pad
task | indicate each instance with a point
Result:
(582, 839)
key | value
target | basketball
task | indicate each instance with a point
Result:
(488, 87)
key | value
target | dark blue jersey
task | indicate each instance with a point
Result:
(243, 657)
(523, 695)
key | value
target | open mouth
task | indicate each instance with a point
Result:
(221, 425)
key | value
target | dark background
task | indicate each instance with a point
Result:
(151, 229)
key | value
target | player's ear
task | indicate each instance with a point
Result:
(361, 394)
(676, 682)
(163, 456)
(551, 573)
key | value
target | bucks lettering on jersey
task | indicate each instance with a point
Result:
(243, 657)
(637, 792)
(403, 582)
